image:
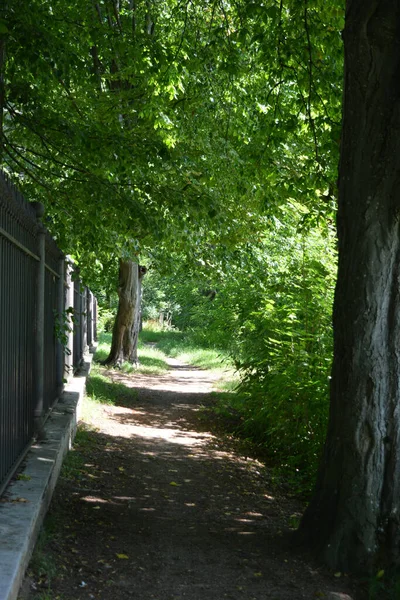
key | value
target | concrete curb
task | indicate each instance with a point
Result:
(28, 499)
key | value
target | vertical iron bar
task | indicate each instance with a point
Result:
(89, 317)
(39, 341)
(61, 323)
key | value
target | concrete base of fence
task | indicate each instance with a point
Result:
(26, 500)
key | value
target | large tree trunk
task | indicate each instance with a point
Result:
(127, 322)
(354, 515)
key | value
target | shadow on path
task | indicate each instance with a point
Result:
(157, 509)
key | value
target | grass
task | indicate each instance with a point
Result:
(103, 346)
(42, 566)
(151, 360)
(101, 389)
(157, 344)
(179, 345)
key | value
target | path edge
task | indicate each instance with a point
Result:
(26, 499)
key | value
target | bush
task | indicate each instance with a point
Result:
(106, 319)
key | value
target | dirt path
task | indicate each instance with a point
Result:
(162, 510)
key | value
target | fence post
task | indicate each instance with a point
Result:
(62, 324)
(89, 317)
(69, 303)
(77, 321)
(84, 319)
(39, 332)
(94, 318)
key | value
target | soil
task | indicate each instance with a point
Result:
(164, 509)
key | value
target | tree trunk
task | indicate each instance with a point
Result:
(127, 322)
(353, 518)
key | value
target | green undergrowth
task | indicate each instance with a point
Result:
(151, 359)
(74, 461)
(385, 585)
(267, 432)
(184, 347)
(100, 388)
(155, 345)
(42, 567)
(293, 461)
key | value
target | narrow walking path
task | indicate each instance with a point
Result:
(159, 509)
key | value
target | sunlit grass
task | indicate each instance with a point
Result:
(230, 383)
(101, 389)
(151, 359)
(206, 359)
(103, 346)
(178, 344)
(155, 345)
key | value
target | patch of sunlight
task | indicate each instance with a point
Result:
(174, 436)
(90, 411)
(126, 498)
(244, 520)
(94, 499)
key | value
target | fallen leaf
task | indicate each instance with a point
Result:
(380, 574)
(122, 556)
(174, 483)
(338, 574)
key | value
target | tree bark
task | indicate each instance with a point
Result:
(127, 323)
(353, 518)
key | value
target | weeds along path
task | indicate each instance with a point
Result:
(152, 506)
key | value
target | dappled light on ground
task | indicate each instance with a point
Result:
(160, 508)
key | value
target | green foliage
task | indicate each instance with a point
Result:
(106, 319)
(63, 326)
(101, 389)
(385, 585)
(270, 309)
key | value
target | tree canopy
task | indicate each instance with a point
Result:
(136, 122)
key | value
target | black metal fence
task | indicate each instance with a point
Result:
(47, 322)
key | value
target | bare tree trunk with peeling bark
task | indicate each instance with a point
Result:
(127, 323)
